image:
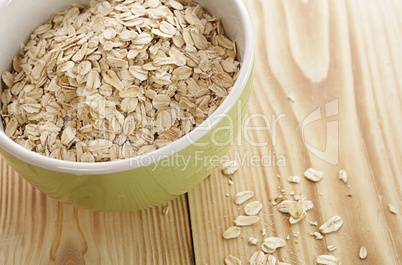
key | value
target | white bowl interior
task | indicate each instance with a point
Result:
(20, 17)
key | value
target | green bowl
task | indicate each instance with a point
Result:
(146, 180)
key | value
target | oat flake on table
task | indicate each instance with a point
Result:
(332, 225)
(243, 196)
(244, 220)
(117, 79)
(363, 252)
(232, 232)
(232, 260)
(272, 243)
(253, 208)
(313, 175)
(327, 260)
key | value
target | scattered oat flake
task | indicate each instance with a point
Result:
(313, 223)
(253, 208)
(230, 182)
(232, 260)
(280, 198)
(293, 220)
(318, 235)
(243, 220)
(294, 179)
(313, 175)
(307, 205)
(331, 248)
(243, 196)
(232, 232)
(165, 210)
(296, 210)
(343, 176)
(263, 232)
(363, 252)
(229, 168)
(271, 260)
(327, 260)
(331, 225)
(392, 209)
(284, 206)
(272, 243)
(258, 258)
(252, 241)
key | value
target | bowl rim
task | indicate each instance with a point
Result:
(97, 168)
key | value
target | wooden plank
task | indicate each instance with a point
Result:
(342, 52)
(35, 229)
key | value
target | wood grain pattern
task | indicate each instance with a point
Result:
(35, 229)
(317, 52)
(343, 58)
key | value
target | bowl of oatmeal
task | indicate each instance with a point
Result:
(121, 105)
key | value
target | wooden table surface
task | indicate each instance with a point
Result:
(339, 60)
